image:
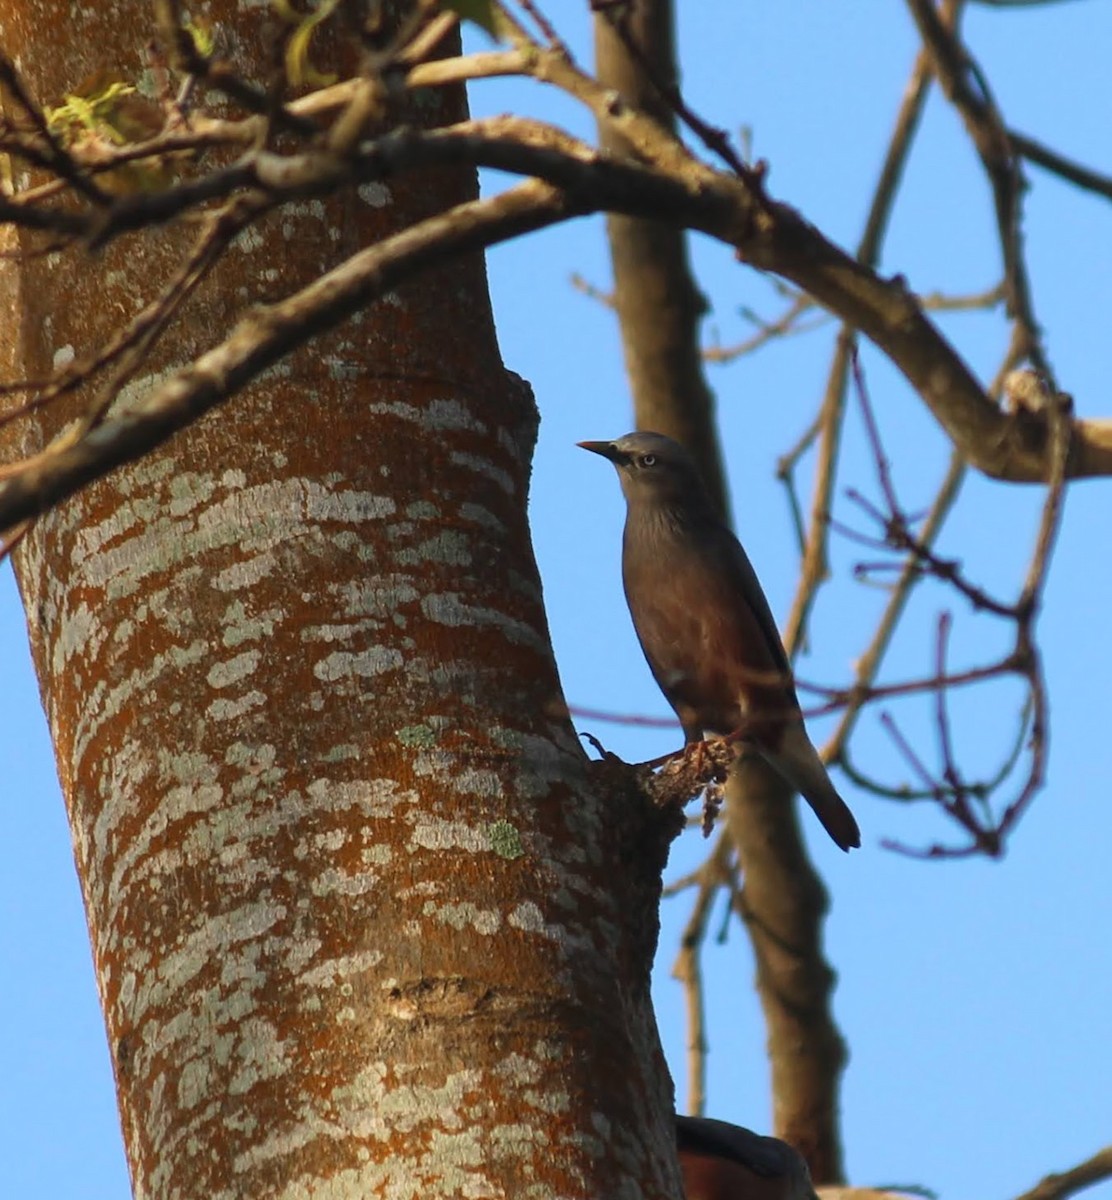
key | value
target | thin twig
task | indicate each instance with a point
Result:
(716, 140)
(966, 87)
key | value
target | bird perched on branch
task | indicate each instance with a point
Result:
(704, 623)
(720, 1161)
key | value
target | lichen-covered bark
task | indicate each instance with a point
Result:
(361, 924)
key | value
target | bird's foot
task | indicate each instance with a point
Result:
(694, 759)
(603, 753)
(690, 771)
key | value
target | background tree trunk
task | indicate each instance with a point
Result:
(359, 916)
(782, 902)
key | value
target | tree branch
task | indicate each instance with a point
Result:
(1068, 1183)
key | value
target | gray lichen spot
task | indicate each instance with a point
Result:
(483, 466)
(337, 970)
(193, 1081)
(375, 798)
(416, 735)
(343, 370)
(189, 490)
(248, 240)
(256, 756)
(448, 547)
(479, 515)
(505, 840)
(518, 1138)
(601, 1122)
(476, 782)
(330, 839)
(376, 194)
(432, 833)
(323, 504)
(79, 633)
(451, 414)
(367, 663)
(422, 510)
(133, 394)
(446, 608)
(378, 596)
(543, 761)
(529, 918)
(229, 710)
(407, 412)
(519, 1069)
(242, 575)
(234, 670)
(338, 633)
(344, 752)
(261, 1053)
(239, 627)
(230, 934)
(334, 882)
(466, 915)
(516, 442)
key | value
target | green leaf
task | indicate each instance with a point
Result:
(299, 70)
(478, 12)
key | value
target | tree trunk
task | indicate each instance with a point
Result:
(360, 917)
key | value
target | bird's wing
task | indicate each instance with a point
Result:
(731, 554)
(703, 620)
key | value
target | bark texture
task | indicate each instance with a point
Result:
(361, 923)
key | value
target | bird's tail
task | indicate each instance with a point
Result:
(799, 763)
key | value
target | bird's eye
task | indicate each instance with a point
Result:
(647, 460)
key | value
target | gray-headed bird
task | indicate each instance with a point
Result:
(704, 623)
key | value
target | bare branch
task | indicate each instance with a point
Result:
(1058, 164)
(1068, 1183)
(677, 188)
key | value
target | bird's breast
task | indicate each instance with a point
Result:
(704, 643)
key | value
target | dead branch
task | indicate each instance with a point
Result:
(1068, 1183)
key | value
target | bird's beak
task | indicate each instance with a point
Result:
(606, 449)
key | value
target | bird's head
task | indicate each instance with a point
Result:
(653, 469)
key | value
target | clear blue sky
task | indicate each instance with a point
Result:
(976, 997)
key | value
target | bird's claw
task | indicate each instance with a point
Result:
(603, 753)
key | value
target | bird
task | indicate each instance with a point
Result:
(705, 625)
(720, 1161)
